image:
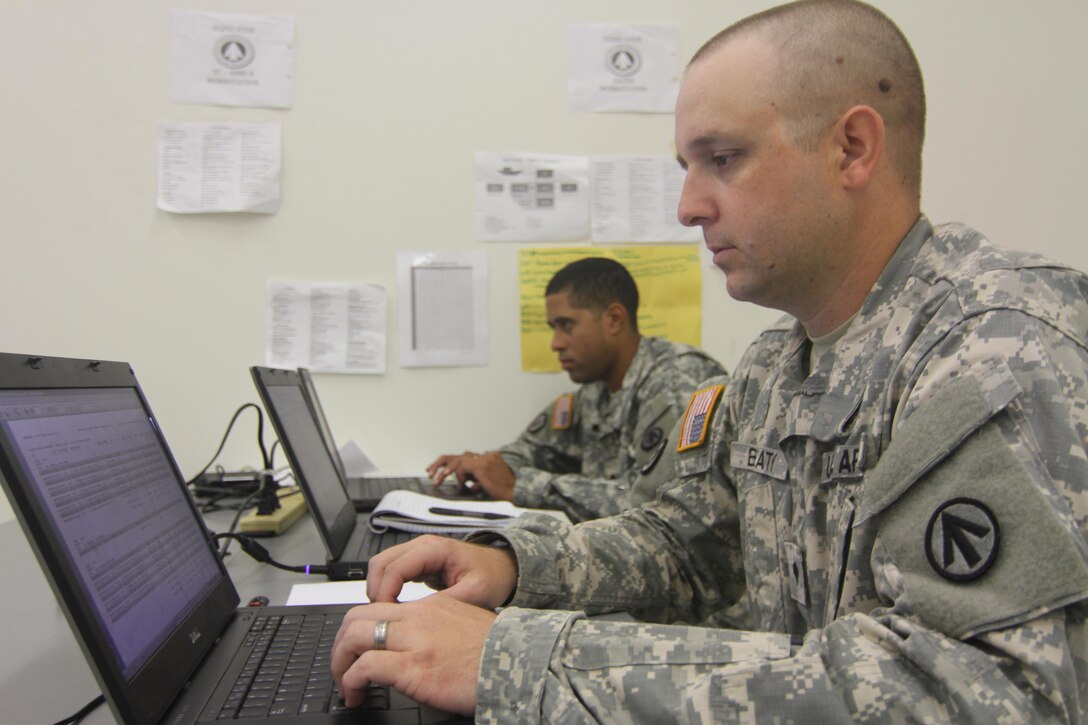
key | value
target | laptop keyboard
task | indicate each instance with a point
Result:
(288, 672)
(375, 543)
(384, 484)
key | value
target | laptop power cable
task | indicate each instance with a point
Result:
(258, 552)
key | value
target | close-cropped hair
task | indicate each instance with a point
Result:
(836, 54)
(595, 283)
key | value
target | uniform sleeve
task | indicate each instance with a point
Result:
(660, 399)
(547, 459)
(549, 442)
(561, 667)
(584, 497)
(665, 561)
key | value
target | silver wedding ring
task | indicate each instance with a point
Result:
(381, 629)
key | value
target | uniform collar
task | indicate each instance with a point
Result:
(827, 397)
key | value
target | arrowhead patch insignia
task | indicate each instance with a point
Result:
(962, 539)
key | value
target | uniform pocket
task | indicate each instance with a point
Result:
(759, 516)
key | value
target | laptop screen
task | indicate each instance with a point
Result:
(107, 489)
(318, 412)
(283, 398)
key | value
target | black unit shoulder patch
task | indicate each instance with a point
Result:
(651, 438)
(649, 465)
(962, 539)
(538, 422)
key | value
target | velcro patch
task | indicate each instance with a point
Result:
(697, 417)
(977, 543)
(563, 413)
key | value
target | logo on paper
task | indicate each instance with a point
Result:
(234, 52)
(623, 61)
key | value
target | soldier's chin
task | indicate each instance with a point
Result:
(578, 376)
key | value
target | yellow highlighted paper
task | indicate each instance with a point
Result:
(669, 285)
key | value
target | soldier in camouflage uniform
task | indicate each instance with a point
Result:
(580, 454)
(894, 484)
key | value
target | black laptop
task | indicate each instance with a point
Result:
(100, 498)
(366, 491)
(349, 540)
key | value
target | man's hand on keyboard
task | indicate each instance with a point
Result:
(487, 470)
(474, 573)
(432, 651)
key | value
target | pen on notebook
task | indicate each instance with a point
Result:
(471, 514)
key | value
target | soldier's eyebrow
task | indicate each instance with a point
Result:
(694, 146)
(707, 144)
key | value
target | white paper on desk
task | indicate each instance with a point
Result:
(443, 308)
(232, 60)
(622, 68)
(529, 197)
(219, 167)
(328, 327)
(349, 592)
(635, 199)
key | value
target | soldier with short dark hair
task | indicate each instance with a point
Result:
(891, 493)
(581, 454)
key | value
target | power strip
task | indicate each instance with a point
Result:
(292, 506)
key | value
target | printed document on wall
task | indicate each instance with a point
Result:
(219, 167)
(617, 68)
(442, 308)
(232, 60)
(528, 197)
(328, 327)
(635, 199)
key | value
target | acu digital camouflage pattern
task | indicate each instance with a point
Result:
(586, 468)
(820, 502)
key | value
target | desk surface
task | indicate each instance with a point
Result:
(43, 674)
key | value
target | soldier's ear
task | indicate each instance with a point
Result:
(615, 318)
(859, 137)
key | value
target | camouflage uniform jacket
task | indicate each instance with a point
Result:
(582, 451)
(905, 524)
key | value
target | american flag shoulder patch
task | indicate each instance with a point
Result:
(563, 413)
(697, 417)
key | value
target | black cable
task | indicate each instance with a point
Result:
(242, 507)
(258, 552)
(266, 476)
(234, 524)
(223, 442)
(84, 712)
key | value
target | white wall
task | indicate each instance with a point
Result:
(392, 97)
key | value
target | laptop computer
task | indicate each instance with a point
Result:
(105, 509)
(366, 491)
(349, 541)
